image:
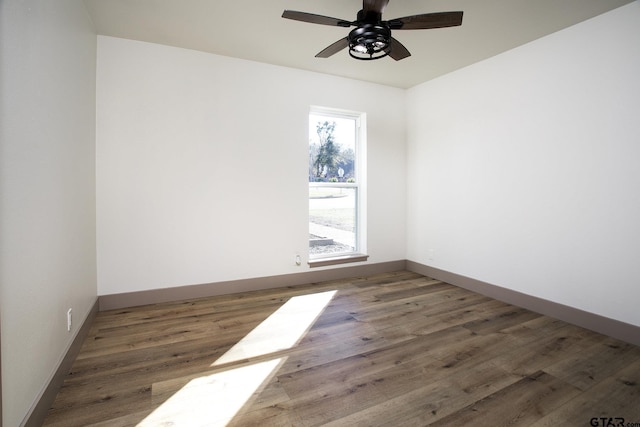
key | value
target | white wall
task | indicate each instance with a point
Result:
(202, 165)
(47, 190)
(523, 170)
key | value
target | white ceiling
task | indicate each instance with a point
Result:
(254, 30)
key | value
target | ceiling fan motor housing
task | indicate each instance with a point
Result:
(370, 41)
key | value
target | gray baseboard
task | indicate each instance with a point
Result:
(154, 296)
(604, 325)
(39, 410)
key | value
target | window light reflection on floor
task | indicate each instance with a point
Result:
(213, 400)
(281, 330)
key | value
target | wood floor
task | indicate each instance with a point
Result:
(396, 349)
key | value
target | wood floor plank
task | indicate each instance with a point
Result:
(102, 407)
(534, 329)
(272, 416)
(435, 399)
(500, 319)
(394, 348)
(340, 401)
(530, 356)
(473, 350)
(519, 404)
(617, 396)
(601, 361)
(458, 314)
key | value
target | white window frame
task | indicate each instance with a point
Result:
(359, 254)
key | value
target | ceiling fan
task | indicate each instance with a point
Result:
(371, 39)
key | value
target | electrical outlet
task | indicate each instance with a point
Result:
(69, 320)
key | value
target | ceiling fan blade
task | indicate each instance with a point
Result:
(315, 19)
(374, 6)
(426, 21)
(333, 48)
(398, 51)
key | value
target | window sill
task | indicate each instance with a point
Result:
(343, 259)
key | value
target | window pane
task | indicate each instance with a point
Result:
(332, 149)
(332, 220)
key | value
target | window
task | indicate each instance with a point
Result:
(336, 187)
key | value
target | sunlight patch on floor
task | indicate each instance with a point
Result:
(213, 400)
(280, 331)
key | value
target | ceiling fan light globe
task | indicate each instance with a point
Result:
(360, 48)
